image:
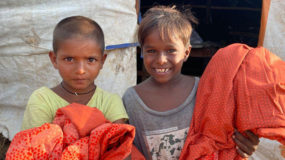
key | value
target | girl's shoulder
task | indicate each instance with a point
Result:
(143, 85)
(190, 78)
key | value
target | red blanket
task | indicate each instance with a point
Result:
(77, 132)
(243, 88)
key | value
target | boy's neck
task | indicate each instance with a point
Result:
(72, 98)
(77, 93)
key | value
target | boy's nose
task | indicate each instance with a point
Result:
(80, 68)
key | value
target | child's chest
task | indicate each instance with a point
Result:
(165, 100)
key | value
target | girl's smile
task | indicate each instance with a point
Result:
(163, 59)
(162, 70)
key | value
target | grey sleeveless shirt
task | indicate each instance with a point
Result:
(159, 135)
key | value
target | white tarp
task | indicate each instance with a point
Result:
(26, 38)
(274, 38)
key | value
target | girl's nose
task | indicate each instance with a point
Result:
(80, 68)
(162, 58)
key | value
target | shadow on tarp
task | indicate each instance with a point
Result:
(4, 145)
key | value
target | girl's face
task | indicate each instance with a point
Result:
(79, 62)
(163, 59)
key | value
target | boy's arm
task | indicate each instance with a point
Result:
(36, 113)
(34, 116)
(121, 121)
(128, 158)
(246, 146)
(114, 109)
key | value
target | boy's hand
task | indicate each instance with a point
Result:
(246, 145)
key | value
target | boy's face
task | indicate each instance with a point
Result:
(163, 59)
(78, 61)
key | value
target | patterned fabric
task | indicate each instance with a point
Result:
(77, 132)
(243, 88)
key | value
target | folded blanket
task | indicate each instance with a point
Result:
(243, 88)
(77, 132)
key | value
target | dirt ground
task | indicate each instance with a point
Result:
(4, 145)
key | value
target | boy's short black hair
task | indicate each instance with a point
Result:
(77, 26)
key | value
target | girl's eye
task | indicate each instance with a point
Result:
(171, 51)
(68, 59)
(91, 59)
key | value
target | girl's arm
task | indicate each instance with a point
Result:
(246, 146)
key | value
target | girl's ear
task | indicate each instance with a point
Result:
(187, 53)
(52, 58)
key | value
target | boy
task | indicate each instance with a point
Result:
(78, 55)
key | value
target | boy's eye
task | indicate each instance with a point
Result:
(91, 59)
(69, 59)
(150, 51)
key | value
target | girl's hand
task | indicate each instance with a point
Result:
(246, 145)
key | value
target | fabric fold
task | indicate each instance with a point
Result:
(77, 132)
(242, 88)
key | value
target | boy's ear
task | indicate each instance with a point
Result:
(103, 59)
(52, 58)
(187, 52)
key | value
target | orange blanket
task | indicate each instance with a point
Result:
(77, 132)
(243, 88)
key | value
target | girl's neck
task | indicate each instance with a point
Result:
(169, 84)
(165, 96)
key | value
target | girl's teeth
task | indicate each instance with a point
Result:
(162, 70)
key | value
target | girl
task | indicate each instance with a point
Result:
(161, 107)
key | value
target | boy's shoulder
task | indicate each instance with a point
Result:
(42, 90)
(104, 92)
(105, 95)
(44, 95)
